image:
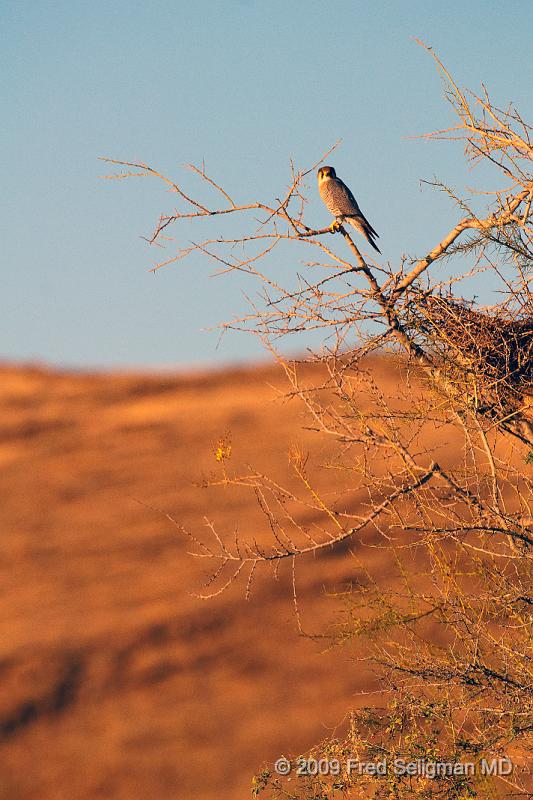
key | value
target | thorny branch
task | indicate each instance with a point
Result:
(340, 304)
(437, 477)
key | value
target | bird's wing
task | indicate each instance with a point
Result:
(347, 201)
(359, 212)
(352, 199)
(368, 225)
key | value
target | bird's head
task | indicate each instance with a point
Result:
(326, 172)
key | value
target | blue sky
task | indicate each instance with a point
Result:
(246, 86)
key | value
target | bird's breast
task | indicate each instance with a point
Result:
(334, 198)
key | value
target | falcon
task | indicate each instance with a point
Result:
(340, 202)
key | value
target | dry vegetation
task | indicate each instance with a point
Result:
(449, 633)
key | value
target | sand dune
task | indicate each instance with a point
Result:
(116, 681)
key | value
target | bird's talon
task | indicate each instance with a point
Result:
(334, 227)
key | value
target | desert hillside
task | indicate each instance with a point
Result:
(117, 681)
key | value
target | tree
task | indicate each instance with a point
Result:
(451, 639)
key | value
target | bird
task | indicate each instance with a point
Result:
(340, 202)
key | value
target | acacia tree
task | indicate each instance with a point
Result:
(450, 633)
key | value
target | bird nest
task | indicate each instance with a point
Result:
(487, 358)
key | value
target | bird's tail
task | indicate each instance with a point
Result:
(361, 224)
